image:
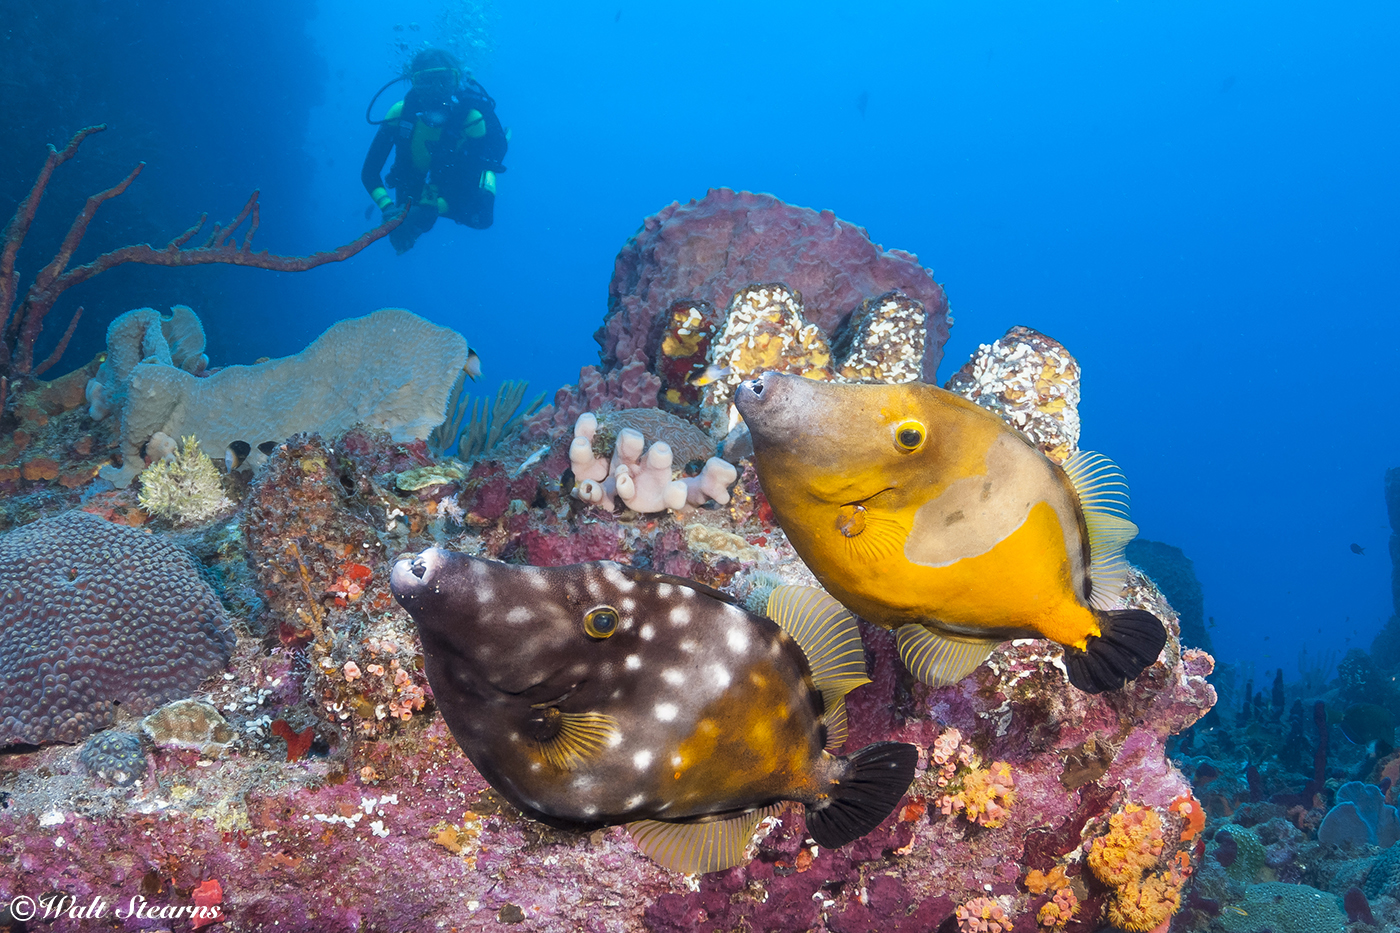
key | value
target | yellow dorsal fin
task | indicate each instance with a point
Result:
(1103, 498)
(696, 848)
(580, 737)
(937, 659)
(829, 636)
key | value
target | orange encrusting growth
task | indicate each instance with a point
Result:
(1127, 858)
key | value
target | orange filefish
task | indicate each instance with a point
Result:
(600, 694)
(926, 514)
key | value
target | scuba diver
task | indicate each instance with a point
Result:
(450, 146)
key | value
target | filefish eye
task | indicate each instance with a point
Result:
(600, 622)
(909, 435)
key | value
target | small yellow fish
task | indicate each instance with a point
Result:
(713, 373)
(928, 515)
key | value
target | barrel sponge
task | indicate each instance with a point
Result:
(390, 369)
(93, 614)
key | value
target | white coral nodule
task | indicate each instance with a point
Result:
(644, 484)
(182, 487)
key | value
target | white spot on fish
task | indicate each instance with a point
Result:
(618, 579)
(737, 639)
(688, 646)
(680, 615)
(648, 631)
(635, 801)
(677, 761)
(666, 712)
(590, 810)
(534, 766)
(519, 614)
(628, 604)
(720, 676)
(633, 662)
(673, 677)
(664, 589)
(642, 760)
(484, 593)
(614, 738)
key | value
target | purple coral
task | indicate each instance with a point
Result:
(95, 614)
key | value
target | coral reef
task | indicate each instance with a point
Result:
(708, 249)
(313, 786)
(390, 369)
(1285, 908)
(116, 757)
(182, 487)
(1360, 817)
(94, 615)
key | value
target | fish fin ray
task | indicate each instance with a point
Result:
(937, 659)
(881, 538)
(697, 848)
(580, 737)
(1103, 498)
(875, 781)
(1130, 641)
(829, 638)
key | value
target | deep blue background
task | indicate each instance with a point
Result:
(1199, 199)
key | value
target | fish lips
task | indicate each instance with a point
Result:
(766, 403)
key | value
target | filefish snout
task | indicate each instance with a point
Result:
(775, 401)
(415, 575)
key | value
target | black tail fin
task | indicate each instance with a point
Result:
(1131, 640)
(876, 777)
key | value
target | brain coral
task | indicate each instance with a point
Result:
(93, 614)
(708, 249)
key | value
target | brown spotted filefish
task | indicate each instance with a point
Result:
(599, 694)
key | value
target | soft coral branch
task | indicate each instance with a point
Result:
(22, 325)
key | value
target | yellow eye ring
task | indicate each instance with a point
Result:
(909, 435)
(601, 622)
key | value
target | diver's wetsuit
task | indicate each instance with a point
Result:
(448, 155)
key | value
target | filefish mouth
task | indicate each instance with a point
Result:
(752, 392)
(416, 574)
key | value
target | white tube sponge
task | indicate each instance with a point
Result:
(643, 487)
(712, 483)
(642, 483)
(581, 459)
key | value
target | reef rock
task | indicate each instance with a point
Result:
(390, 369)
(708, 249)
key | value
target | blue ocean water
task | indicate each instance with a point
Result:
(1197, 199)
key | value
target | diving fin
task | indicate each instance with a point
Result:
(936, 659)
(1131, 640)
(874, 780)
(697, 848)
